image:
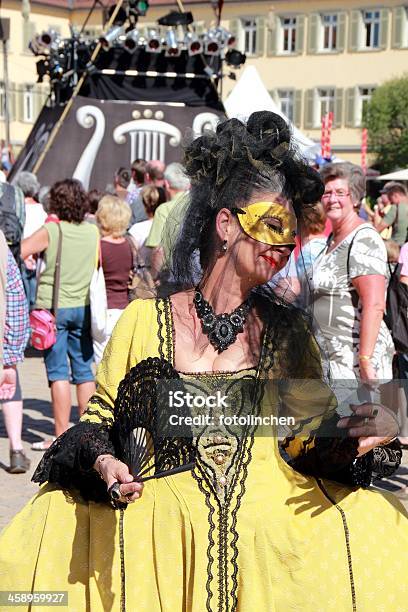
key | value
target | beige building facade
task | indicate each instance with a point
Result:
(312, 56)
(25, 96)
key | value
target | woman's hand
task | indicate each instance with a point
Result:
(373, 425)
(112, 470)
(8, 382)
(368, 372)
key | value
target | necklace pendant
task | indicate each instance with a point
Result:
(222, 330)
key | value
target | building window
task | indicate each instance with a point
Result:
(28, 104)
(249, 27)
(372, 21)
(2, 101)
(325, 103)
(286, 102)
(364, 97)
(329, 32)
(289, 34)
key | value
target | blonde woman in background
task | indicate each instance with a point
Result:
(112, 217)
(152, 197)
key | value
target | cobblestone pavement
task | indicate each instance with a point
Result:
(17, 489)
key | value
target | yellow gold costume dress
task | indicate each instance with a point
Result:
(246, 534)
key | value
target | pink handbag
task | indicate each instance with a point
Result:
(43, 322)
(43, 329)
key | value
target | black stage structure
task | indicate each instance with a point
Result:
(121, 106)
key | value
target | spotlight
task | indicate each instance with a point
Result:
(47, 38)
(131, 41)
(226, 38)
(153, 44)
(172, 46)
(193, 44)
(235, 58)
(43, 43)
(211, 44)
(111, 36)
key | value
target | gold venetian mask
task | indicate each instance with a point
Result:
(269, 222)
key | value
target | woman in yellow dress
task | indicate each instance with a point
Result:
(227, 525)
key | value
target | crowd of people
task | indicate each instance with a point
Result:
(344, 256)
(113, 228)
(260, 267)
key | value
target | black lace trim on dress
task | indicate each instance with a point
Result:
(69, 460)
(159, 313)
(170, 331)
(102, 418)
(201, 477)
(347, 543)
(122, 560)
(228, 504)
(95, 400)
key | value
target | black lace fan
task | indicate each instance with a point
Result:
(142, 434)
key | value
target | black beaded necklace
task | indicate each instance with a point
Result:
(221, 329)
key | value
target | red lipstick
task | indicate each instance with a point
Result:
(270, 260)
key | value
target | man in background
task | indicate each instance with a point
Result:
(12, 217)
(121, 183)
(14, 330)
(154, 176)
(138, 174)
(155, 173)
(167, 216)
(397, 216)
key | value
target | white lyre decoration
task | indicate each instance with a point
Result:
(147, 138)
(205, 121)
(86, 117)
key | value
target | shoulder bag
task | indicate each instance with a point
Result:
(98, 299)
(43, 322)
(141, 285)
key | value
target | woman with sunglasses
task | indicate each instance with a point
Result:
(350, 281)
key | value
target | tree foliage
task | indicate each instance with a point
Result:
(386, 117)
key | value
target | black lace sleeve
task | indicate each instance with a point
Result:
(68, 462)
(335, 457)
(386, 459)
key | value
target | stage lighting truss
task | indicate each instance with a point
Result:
(64, 59)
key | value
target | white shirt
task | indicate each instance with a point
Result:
(140, 231)
(35, 218)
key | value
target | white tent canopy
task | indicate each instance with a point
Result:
(250, 95)
(399, 175)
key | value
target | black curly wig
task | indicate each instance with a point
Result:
(226, 168)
